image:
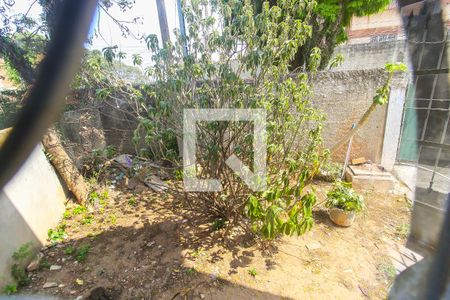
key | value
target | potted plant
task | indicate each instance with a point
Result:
(344, 203)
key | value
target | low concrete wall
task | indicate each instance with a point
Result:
(32, 202)
(95, 127)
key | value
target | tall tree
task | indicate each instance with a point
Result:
(16, 35)
(330, 21)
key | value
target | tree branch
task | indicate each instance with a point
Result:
(15, 55)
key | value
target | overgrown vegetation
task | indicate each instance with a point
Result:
(18, 271)
(294, 143)
(240, 55)
(9, 107)
(330, 22)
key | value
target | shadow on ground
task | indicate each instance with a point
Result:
(148, 254)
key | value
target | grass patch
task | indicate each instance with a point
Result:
(190, 271)
(70, 250)
(58, 234)
(24, 252)
(132, 201)
(88, 219)
(10, 289)
(387, 271)
(252, 272)
(82, 252)
(402, 230)
(78, 210)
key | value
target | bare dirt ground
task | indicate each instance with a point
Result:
(148, 246)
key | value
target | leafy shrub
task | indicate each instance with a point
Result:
(344, 197)
(9, 107)
(67, 214)
(96, 197)
(196, 80)
(382, 93)
(218, 224)
(132, 201)
(87, 219)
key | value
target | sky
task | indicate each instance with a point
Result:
(109, 32)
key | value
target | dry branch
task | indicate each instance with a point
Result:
(64, 166)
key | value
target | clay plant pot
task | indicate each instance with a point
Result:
(341, 217)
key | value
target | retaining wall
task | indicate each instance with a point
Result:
(32, 202)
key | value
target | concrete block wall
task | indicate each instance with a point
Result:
(32, 202)
(371, 55)
(344, 96)
(83, 132)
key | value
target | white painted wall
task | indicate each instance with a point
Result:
(393, 124)
(32, 202)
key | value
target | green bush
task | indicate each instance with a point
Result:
(18, 271)
(344, 197)
(294, 144)
(20, 275)
(10, 289)
(219, 72)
